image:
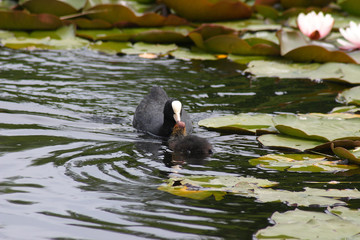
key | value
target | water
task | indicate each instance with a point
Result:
(72, 166)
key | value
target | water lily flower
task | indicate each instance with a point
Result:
(352, 35)
(315, 26)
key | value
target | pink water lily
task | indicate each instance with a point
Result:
(315, 26)
(352, 35)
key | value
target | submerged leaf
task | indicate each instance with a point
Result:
(241, 123)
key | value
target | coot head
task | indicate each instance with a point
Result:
(188, 145)
(157, 114)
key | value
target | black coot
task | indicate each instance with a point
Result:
(188, 145)
(157, 114)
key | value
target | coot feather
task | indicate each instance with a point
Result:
(156, 115)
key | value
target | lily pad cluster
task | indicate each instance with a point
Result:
(326, 134)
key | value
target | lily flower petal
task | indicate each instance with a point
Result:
(352, 35)
(315, 26)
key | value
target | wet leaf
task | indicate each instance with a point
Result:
(350, 6)
(110, 47)
(296, 47)
(299, 163)
(206, 10)
(286, 142)
(337, 223)
(21, 20)
(339, 72)
(63, 38)
(158, 49)
(242, 123)
(201, 187)
(350, 96)
(55, 7)
(320, 128)
(352, 155)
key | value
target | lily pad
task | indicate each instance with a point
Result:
(319, 128)
(338, 72)
(201, 187)
(63, 38)
(299, 163)
(251, 25)
(241, 123)
(207, 10)
(109, 47)
(55, 7)
(84, 23)
(158, 49)
(337, 223)
(352, 155)
(120, 15)
(21, 20)
(187, 54)
(296, 47)
(304, 3)
(350, 6)
(350, 96)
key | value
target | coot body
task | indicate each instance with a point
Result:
(188, 145)
(155, 114)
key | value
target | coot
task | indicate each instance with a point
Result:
(157, 114)
(188, 145)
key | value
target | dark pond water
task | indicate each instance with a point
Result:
(73, 167)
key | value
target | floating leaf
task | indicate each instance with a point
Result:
(338, 223)
(304, 3)
(252, 25)
(350, 6)
(158, 49)
(347, 109)
(299, 163)
(21, 20)
(352, 155)
(286, 142)
(201, 187)
(339, 72)
(206, 10)
(121, 15)
(350, 96)
(85, 23)
(320, 128)
(55, 7)
(110, 47)
(187, 54)
(296, 47)
(241, 123)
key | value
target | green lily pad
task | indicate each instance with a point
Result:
(84, 23)
(109, 47)
(241, 123)
(338, 72)
(151, 35)
(121, 15)
(252, 25)
(352, 155)
(187, 54)
(350, 96)
(286, 142)
(55, 7)
(337, 223)
(350, 6)
(21, 20)
(299, 163)
(304, 3)
(296, 47)
(320, 128)
(206, 10)
(347, 109)
(267, 11)
(63, 38)
(201, 187)
(159, 49)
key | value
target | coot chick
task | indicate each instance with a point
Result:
(157, 114)
(188, 145)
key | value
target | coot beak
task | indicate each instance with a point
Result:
(176, 106)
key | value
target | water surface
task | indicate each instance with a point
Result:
(73, 167)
